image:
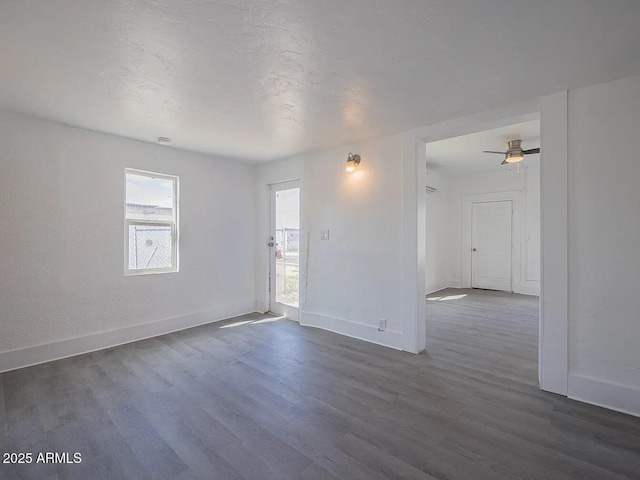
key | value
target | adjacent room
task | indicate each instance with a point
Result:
(482, 258)
(298, 239)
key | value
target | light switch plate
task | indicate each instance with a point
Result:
(324, 235)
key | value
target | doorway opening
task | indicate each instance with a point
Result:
(483, 250)
(483, 216)
(284, 252)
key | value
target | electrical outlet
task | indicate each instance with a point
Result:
(324, 235)
(382, 325)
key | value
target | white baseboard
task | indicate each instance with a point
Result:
(529, 287)
(433, 289)
(524, 290)
(361, 331)
(261, 306)
(26, 357)
(613, 396)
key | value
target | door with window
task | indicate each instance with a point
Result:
(284, 249)
(491, 242)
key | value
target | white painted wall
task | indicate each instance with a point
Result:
(61, 241)
(604, 232)
(437, 256)
(553, 346)
(356, 277)
(352, 279)
(531, 246)
(527, 182)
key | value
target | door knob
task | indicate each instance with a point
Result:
(270, 244)
(473, 249)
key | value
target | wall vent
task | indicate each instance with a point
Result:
(431, 189)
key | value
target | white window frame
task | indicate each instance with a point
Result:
(152, 223)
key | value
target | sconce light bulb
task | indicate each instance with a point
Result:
(352, 162)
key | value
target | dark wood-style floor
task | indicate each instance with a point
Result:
(271, 400)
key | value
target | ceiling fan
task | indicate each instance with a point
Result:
(514, 153)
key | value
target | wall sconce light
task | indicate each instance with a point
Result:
(352, 162)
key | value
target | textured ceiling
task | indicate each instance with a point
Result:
(463, 155)
(265, 79)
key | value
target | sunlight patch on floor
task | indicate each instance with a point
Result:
(253, 322)
(447, 298)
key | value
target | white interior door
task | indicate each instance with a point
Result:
(284, 249)
(491, 245)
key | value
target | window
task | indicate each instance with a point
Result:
(151, 222)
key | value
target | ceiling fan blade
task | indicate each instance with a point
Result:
(491, 151)
(532, 150)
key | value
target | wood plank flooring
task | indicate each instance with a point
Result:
(258, 398)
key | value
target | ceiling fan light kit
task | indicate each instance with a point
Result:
(514, 153)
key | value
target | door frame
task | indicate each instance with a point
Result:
(278, 308)
(552, 111)
(515, 196)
